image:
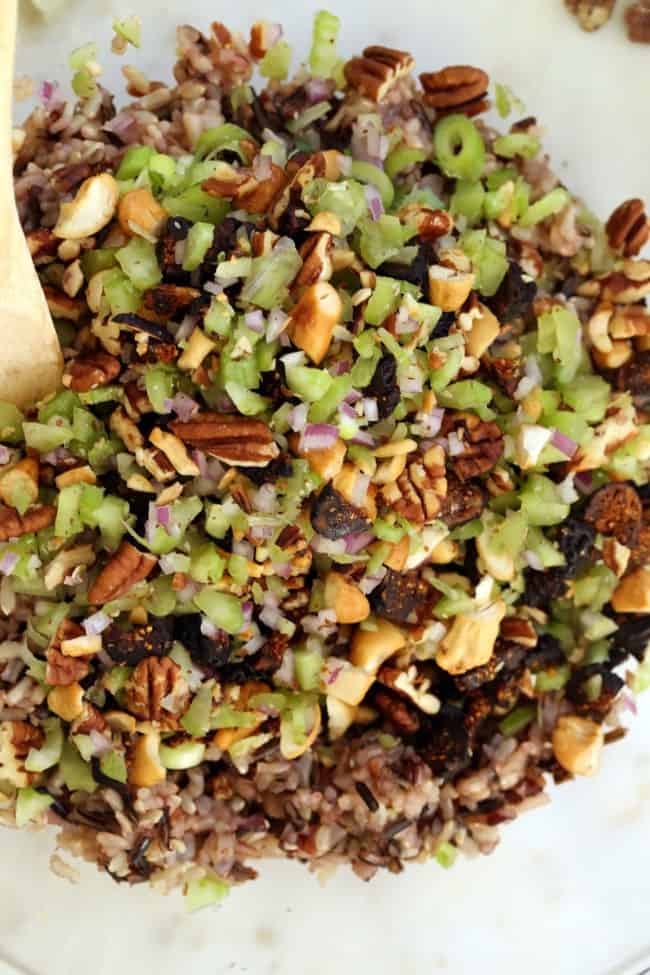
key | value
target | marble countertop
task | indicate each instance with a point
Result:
(568, 890)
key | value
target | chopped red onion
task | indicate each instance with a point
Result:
(370, 409)
(260, 533)
(255, 321)
(262, 167)
(347, 410)
(360, 490)
(333, 669)
(340, 368)
(49, 94)
(124, 126)
(163, 515)
(209, 629)
(283, 569)
(101, 743)
(429, 423)
(564, 444)
(247, 610)
(8, 563)
(243, 548)
(167, 564)
(212, 288)
(318, 436)
(96, 623)
(327, 546)
(370, 582)
(270, 616)
(411, 382)
(186, 327)
(456, 445)
(319, 90)
(584, 481)
(323, 622)
(533, 560)
(57, 456)
(353, 397)
(215, 469)
(265, 499)
(4, 454)
(183, 406)
(363, 439)
(355, 543)
(406, 326)
(201, 462)
(297, 417)
(374, 201)
(628, 701)
(366, 142)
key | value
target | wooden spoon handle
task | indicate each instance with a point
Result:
(30, 355)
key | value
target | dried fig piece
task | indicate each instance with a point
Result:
(383, 386)
(616, 510)
(464, 502)
(634, 376)
(208, 652)
(403, 597)
(632, 637)
(547, 653)
(592, 690)
(444, 742)
(154, 639)
(575, 539)
(333, 517)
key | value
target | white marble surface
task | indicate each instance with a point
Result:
(568, 891)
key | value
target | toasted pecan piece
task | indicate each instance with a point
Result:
(13, 525)
(374, 74)
(127, 567)
(628, 228)
(89, 372)
(153, 680)
(237, 440)
(457, 88)
(61, 671)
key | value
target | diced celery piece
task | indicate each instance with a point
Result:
(80, 56)
(488, 257)
(61, 405)
(548, 554)
(594, 587)
(129, 29)
(189, 754)
(517, 720)
(110, 517)
(222, 609)
(324, 407)
(196, 720)
(11, 423)
(364, 369)
(467, 200)
(559, 334)
(368, 173)
(162, 171)
(247, 402)
(275, 63)
(401, 158)
(113, 765)
(553, 679)
(206, 564)
(381, 239)
(219, 318)
(459, 147)
(115, 679)
(196, 205)
(139, 262)
(83, 83)
(588, 396)
(446, 855)
(307, 668)
(471, 529)
(516, 144)
(506, 100)
(205, 892)
(346, 199)
(323, 56)
(183, 512)
(198, 242)
(40, 759)
(383, 301)
(238, 569)
(309, 384)
(271, 275)
(548, 206)
(30, 806)
(229, 717)
(388, 531)
(43, 437)
(223, 138)
(68, 520)
(76, 773)
(540, 502)
(453, 353)
(160, 384)
(468, 394)
(121, 293)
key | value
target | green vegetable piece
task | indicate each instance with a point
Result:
(205, 892)
(506, 100)
(80, 56)
(196, 205)
(517, 720)
(488, 257)
(179, 757)
(552, 680)
(446, 855)
(121, 293)
(68, 519)
(459, 148)
(75, 772)
(307, 666)
(311, 385)
(222, 609)
(468, 394)
(323, 57)
(115, 680)
(271, 275)
(540, 502)
(548, 554)
(247, 402)
(559, 335)
(401, 158)
(308, 117)
(206, 564)
(588, 396)
(346, 199)
(368, 173)
(223, 138)
(129, 29)
(113, 765)
(199, 240)
(40, 759)
(324, 407)
(548, 206)
(183, 512)
(11, 423)
(595, 587)
(383, 301)
(139, 262)
(30, 806)
(43, 437)
(229, 717)
(467, 200)
(238, 569)
(387, 531)
(517, 144)
(381, 239)
(84, 84)
(135, 159)
(219, 318)
(160, 383)
(276, 62)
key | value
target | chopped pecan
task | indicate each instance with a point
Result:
(640, 551)
(411, 686)
(62, 671)
(420, 490)
(506, 373)
(236, 440)
(152, 681)
(62, 306)
(25, 736)
(403, 597)
(591, 14)
(634, 377)
(42, 245)
(637, 20)
(66, 630)
(13, 525)
(127, 567)
(334, 517)
(518, 630)
(89, 372)
(628, 228)
(91, 719)
(482, 442)
(464, 502)
(626, 287)
(167, 300)
(400, 714)
(457, 88)
(316, 260)
(616, 510)
(374, 74)
(246, 191)
(269, 659)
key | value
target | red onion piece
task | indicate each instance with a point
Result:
(255, 321)
(406, 326)
(297, 417)
(456, 445)
(584, 481)
(363, 439)
(264, 499)
(347, 410)
(183, 406)
(187, 325)
(277, 322)
(319, 90)
(101, 744)
(340, 368)
(370, 409)
(360, 490)
(374, 201)
(243, 548)
(163, 515)
(564, 444)
(247, 611)
(533, 560)
(370, 582)
(212, 288)
(411, 383)
(355, 543)
(262, 167)
(4, 454)
(201, 462)
(318, 436)
(96, 623)
(8, 563)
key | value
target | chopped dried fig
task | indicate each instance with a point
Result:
(403, 597)
(616, 510)
(333, 517)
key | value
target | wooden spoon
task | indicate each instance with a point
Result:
(30, 355)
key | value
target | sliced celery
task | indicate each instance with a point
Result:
(222, 609)
(198, 242)
(139, 262)
(275, 63)
(323, 57)
(459, 147)
(30, 806)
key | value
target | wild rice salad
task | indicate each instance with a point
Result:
(334, 540)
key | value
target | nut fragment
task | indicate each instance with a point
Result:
(62, 671)
(92, 208)
(127, 567)
(458, 88)
(346, 599)
(175, 451)
(66, 701)
(153, 681)
(628, 228)
(374, 74)
(371, 648)
(313, 318)
(419, 491)
(84, 645)
(485, 328)
(140, 213)
(76, 475)
(316, 260)
(237, 440)
(198, 347)
(449, 289)
(577, 744)
(19, 485)
(13, 525)
(145, 769)
(326, 462)
(632, 595)
(90, 372)
(470, 640)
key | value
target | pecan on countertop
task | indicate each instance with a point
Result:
(591, 14)
(637, 20)
(236, 440)
(457, 88)
(13, 525)
(628, 228)
(153, 680)
(127, 567)
(374, 74)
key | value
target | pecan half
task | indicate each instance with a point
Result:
(457, 88)
(616, 510)
(13, 525)
(236, 440)
(628, 228)
(127, 567)
(153, 680)
(482, 442)
(374, 74)
(25, 736)
(637, 20)
(591, 14)
(62, 671)
(419, 491)
(92, 371)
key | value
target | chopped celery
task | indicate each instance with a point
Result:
(40, 759)
(468, 394)
(121, 293)
(467, 200)
(594, 588)
(345, 199)
(220, 518)
(309, 384)
(230, 717)
(553, 679)
(80, 56)
(45, 437)
(488, 257)
(517, 720)
(75, 772)
(223, 138)
(540, 502)
(129, 29)
(222, 609)
(162, 171)
(196, 205)
(459, 148)
(368, 173)
(381, 239)
(206, 564)
(559, 334)
(471, 529)
(238, 569)
(247, 402)
(387, 531)
(110, 517)
(275, 63)
(383, 301)
(548, 206)
(517, 144)
(323, 57)
(588, 396)
(11, 423)
(401, 158)
(324, 407)
(198, 242)
(113, 765)
(115, 679)
(61, 405)
(271, 275)
(446, 854)
(139, 262)
(205, 892)
(452, 351)
(364, 369)
(68, 520)
(506, 100)
(376, 560)
(160, 383)
(308, 117)
(189, 754)
(307, 668)
(84, 84)
(30, 806)
(219, 318)
(183, 512)
(548, 553)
